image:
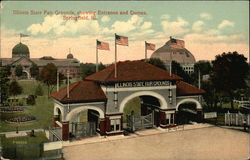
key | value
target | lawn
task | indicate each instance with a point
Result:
(25, 147)
(132, 105)
(42, 110)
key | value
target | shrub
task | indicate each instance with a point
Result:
(31, 100)
(39, 90)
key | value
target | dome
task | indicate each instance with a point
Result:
(174, 49)
(70, 56)
(20, 50)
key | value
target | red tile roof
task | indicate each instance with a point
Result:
(184, 89)
(82, 91)
(132, 71)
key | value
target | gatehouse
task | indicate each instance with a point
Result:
(97, 105)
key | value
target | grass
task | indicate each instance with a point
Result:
(132, 105)
(16, 141)
(25, 147)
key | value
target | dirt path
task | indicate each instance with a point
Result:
(199, 144)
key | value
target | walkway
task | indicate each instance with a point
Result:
(199, 141)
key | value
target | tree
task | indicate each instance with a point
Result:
(8, 70)
(4, 85)
(178, 70)
(48, 76)
(39, 90)
(89, 68)
(15, 89)
(156, 62)
(228, 73)
(19, 70)
(34, 71)
(205, 69)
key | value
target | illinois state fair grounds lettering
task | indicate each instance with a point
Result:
(142, 84)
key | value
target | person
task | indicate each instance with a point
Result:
(245, 124)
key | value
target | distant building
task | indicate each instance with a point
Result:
(21, 56)
(174, 50)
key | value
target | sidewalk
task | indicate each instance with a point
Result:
(20, 133)
(141, 133)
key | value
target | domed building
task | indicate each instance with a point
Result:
(174, 50)
(21, 56)
(20, 50)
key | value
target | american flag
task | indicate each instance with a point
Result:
(121, 40)
(23, 35)
(150, 46)
(102, 45)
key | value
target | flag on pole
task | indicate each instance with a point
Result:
(23, 35)
(102, 45)
(150, 46)
(121, 40)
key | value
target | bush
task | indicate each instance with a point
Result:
(31, 100)
(39, 90)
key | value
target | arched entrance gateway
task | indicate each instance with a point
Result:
(140, 96)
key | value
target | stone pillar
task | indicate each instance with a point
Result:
(175, 117)
(65, 130)
(107, 124)
(121, 122)
(163, 118)
(102, 127)
(56, 118)
(199, 116)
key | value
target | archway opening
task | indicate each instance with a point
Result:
(187, 113)
(141, 112)
(59, 114)
(84, 123)
(24, 75)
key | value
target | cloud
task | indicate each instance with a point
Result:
(175, 27)
(197, 26)
(206, 16)
(146, 25)
(127, 26)
(225, 23)
(206, 38)
(56, 25)
(105, 19)
(1, 5)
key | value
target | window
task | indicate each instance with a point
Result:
(169, 118)
(115, 124)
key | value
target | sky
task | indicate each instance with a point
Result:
(208, 28)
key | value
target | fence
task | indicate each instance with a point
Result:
(45, 151)
(237, 119)
(55, 134)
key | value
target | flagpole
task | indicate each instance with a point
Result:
(170, 64)
(145, 50)
(115, 57)
(96, 69)
(199, 79)
(57, 81)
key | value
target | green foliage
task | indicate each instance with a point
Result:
(8, 70)
(19, 70)
(34, 71)
(15, 89)
(157, 62)
(132, 105)
(49, 76)
(39, 90)
(178, 70)
(205, 69)
(31, 100)
(87, 69)
(4, 85)
(229, 72)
